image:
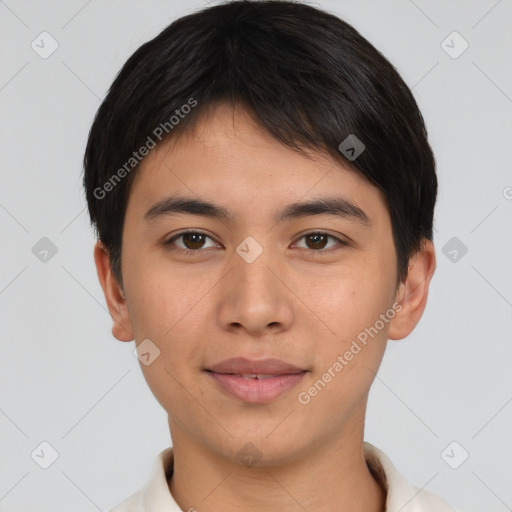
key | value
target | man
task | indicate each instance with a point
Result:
(262, 189)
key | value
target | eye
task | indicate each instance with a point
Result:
(317, 241)
(192, 241)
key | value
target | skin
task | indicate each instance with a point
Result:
(294, 302)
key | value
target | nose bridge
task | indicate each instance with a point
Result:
(252, 264)
(255, 297)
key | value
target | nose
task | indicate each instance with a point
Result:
(256, 297)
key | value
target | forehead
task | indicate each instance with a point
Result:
(229, 159)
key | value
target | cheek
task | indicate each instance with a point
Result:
(167, 310)
(350, 358)
(349, 300)
(352, 304)
(159, 298)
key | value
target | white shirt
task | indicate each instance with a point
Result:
(401, 496)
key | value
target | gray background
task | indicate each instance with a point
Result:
(65, 380)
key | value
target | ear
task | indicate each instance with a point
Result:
(114, 295)
(413, 292)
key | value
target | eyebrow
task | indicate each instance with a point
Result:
(338, 206)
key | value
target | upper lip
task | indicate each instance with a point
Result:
(242, 365)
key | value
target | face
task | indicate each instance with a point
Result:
(313, 288)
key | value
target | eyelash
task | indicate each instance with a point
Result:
(191, 252)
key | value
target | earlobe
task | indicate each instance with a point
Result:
(114, 295)
(413, 293)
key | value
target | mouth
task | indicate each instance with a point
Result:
(250, 367)
(253, 376)
(253, 381)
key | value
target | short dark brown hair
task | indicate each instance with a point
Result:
(306, 76)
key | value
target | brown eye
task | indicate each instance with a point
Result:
(319, 241)
(192, 241)
(316, 240)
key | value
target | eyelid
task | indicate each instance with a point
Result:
(170, 241)
(342, 239)
(340, 242)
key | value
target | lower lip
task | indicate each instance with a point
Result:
(256, 391)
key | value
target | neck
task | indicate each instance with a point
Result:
(330, 476)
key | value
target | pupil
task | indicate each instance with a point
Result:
(196, 240)
(317, 238)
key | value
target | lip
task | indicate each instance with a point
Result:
(279, 378)
(243, 365)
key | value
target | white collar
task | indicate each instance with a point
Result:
(401, 496)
